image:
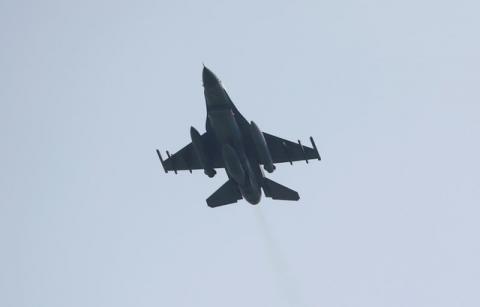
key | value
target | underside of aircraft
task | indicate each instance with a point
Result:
(238, 146)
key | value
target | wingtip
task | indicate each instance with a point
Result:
(161, 160)
(315, 148)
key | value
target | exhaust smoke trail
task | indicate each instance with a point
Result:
(286, 284)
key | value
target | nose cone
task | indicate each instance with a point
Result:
(209, 78)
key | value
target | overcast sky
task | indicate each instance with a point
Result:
(389, 89)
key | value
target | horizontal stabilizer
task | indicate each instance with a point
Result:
(277, 191)
(228, 193)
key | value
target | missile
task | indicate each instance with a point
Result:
(262, 148)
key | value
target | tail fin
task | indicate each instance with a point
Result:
(228, 193)
(277, 191)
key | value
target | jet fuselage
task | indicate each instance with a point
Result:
(241, 165)
(240, 147)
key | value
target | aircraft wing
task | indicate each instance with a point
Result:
(186, 159)
(283, 150)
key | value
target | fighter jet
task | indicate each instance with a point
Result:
(238, 146)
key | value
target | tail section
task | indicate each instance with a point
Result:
(228, 193)
(277, 191)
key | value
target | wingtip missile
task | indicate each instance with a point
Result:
(161, 160)
(315, 148)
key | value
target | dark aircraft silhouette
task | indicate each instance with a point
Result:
(236, 145)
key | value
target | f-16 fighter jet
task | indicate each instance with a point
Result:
(238, 146)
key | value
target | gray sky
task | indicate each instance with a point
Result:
(389, 90)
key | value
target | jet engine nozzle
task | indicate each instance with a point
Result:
(261, 147)
(233, 165)
(199, 148)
